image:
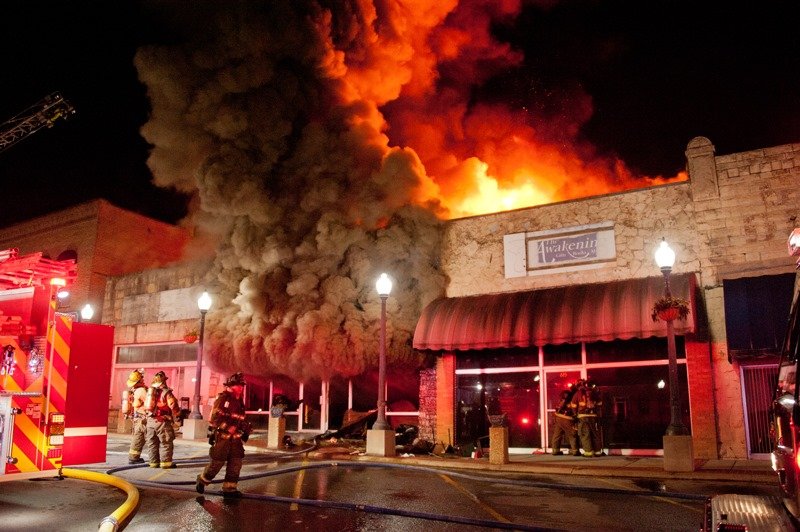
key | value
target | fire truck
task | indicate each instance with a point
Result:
(55, 372)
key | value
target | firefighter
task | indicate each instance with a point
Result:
(161, 408)
(133, 399)
(8, 360)
(229, 430)
(566, 424)
(589, 404)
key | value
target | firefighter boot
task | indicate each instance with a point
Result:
(135, 460)
(229, 490)
(200, 486)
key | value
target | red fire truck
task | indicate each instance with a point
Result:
(55, 372)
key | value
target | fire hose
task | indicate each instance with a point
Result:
(185, 486)
(111, 522)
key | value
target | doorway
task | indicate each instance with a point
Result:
(758, 386)
(555, 382)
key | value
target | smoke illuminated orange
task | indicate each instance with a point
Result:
(415, 83)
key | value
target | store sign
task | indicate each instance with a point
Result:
(582, 247)
(567, 249)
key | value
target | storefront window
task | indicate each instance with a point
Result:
(156, 354)
(498, 358)
(636, 406)
(514, 394)
(635, 349)
(562, 355)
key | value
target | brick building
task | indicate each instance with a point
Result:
(103, 239)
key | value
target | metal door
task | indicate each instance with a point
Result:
(758, 386)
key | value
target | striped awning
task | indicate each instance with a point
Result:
(568, 314)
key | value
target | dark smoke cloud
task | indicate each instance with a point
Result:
(269, 111)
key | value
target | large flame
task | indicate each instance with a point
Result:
(485, 156)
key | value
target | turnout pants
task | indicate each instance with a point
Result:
(160, 437)
(589, 432)
(230, 451)
(564, 428)
(139, 435)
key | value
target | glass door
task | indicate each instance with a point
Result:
(514, 394)
(556, 381)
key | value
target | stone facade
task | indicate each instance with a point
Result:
(729, 220)
(142, 306)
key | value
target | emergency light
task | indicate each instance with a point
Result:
(55, 431)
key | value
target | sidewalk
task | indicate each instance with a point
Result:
(742, 471)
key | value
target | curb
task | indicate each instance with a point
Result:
(745, 476)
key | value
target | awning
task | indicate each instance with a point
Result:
(569, 314)
(756, 314)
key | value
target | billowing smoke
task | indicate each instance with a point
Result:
(261, 115)
(324, 140)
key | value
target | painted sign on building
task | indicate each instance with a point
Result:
(566, 249)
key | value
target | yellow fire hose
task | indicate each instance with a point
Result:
(110, 522)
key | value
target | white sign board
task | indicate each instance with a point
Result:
(560, 250)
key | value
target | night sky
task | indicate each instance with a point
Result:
(658, 73)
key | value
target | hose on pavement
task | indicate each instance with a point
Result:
(111, 522)
(184, 486)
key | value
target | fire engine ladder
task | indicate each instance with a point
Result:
(43, 113)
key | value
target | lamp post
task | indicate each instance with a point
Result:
(384, 287)
(203, 303)
(665, 259)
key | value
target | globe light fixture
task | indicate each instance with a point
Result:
(87, 312)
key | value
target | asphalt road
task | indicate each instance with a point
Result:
(290, 494)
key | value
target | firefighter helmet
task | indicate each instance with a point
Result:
(237, 379)
(159, 379)
(135, 377)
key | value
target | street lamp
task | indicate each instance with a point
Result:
(203, 303)
(665, 259)
(384, 287)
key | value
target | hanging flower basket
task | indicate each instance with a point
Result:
(670, 308)
(190, 336)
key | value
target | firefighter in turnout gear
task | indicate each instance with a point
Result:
(589, 404)
(133, 408)
(229, 430)
(162, 408)
(566, 424)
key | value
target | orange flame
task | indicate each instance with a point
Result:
(415, 77)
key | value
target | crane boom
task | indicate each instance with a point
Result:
(43, 113)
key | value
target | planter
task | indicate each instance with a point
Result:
(669, 314)
(190, 338)
(670, 308)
